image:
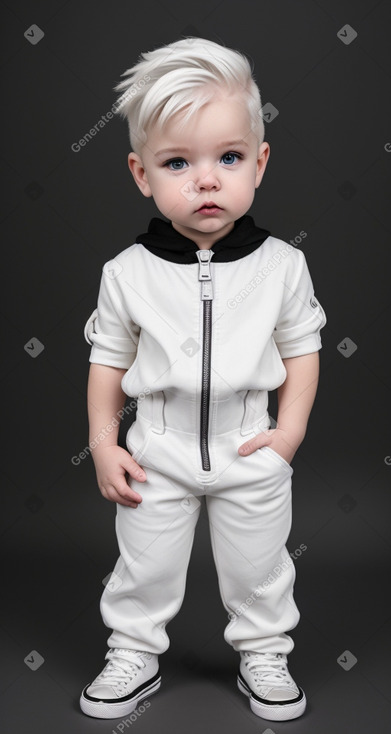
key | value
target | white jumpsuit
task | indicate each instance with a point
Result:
(202, 334)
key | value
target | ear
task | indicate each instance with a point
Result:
(263, 157)
(139, 173)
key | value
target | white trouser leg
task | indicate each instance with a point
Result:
(250, 520)
(155, 542)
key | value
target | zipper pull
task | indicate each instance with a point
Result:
(204, 258)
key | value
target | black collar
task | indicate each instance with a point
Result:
(166, 242)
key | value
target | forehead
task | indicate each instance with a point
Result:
(225, 119)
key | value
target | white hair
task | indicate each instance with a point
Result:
(179, 75)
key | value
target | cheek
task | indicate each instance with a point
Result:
(245, 190)
(168, 197)
(173, 195)
(160, 189)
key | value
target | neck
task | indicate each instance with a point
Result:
(204, 241)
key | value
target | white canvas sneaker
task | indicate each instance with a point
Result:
(273, 694)
(130, 676)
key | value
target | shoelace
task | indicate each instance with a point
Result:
(269, 668)
(122, 665)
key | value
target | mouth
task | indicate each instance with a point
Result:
(209, 207)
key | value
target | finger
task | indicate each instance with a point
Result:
(120, 500)
(126, 503)
(250, 446)
(134, 469)
(125, 491)
(125, 497)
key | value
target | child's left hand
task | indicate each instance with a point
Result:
(283, 442)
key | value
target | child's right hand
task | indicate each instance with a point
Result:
(111, 464)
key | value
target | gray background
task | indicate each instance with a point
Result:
(64, 214)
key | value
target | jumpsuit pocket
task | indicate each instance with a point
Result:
(277, 458)
(138, 438)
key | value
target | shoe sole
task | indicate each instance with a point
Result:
(273, 711)
(104, 710)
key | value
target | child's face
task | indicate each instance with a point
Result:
(214, 158)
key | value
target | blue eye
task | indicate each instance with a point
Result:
(172, 164)
(230, 155)
(178, 164)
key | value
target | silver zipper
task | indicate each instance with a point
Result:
(204, 258)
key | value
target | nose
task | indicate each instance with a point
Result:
(206, 177)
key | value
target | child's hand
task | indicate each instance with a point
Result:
(111, 464)
(283, 442)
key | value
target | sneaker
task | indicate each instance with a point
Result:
(273, 694)
(130, 676)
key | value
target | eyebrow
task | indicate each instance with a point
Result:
(184, 149)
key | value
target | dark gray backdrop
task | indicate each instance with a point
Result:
(64, 215)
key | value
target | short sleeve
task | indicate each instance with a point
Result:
(110, 329)
(301, 317)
